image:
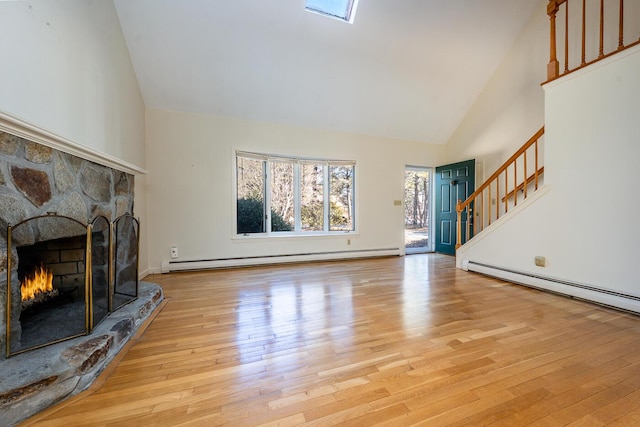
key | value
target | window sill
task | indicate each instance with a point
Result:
(259, 237)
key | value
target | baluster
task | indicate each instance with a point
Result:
(553, 68)
(553, 7)
(621, 27)
(489, 219)
(584, 36)
(497, 197)
(506, 191)
(468, 235)
(566, 37)
(480, 217)
(536, 171)
(601, 51)
(515, 182)
(525, 174)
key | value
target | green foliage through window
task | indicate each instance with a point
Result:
(251, 218)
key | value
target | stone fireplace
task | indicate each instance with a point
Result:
(50, 198)
(68, 223)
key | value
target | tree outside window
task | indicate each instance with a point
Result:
(341, 181)
(251, 195)
(282, 197)
(312, 197)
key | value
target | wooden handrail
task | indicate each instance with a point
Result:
(504, 166)
(554, 7)
(476, 200)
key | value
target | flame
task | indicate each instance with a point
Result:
(40, 281)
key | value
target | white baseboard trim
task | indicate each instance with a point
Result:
(577, 290)
(169, 266)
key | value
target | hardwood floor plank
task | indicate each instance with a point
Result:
(391, 341)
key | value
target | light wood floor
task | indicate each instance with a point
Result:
(395, 341)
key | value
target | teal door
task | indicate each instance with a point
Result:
(453, 182)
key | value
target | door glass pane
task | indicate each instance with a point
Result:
(250, 207)
(312, 197)
(416, 209)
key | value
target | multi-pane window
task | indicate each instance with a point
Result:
(278, 195)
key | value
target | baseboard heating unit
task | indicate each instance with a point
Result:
(206, 264)
(577, 290)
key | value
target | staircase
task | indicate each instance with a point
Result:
(574, 235)
(583, 42)
(513, 182)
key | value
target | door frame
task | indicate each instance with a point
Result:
(430, 226)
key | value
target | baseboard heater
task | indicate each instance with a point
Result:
(205, 264)
(605, 297)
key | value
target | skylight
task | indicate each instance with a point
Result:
(344, 10)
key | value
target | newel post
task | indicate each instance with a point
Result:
(459, 224)
(553, 67)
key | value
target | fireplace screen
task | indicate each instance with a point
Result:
(100, 270)
(62, 284)
(125, 285)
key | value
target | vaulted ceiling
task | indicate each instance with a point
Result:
(405, 69)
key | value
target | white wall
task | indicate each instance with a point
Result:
(190, 159)
(66, 70)
(585, 224)
(510, 109)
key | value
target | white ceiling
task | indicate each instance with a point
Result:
(406, 69)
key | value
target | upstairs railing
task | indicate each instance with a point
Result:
(510, 184)
(600, 27)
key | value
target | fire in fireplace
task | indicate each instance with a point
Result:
(37, 286)
(64, 270)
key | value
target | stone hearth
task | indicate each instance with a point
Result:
(33, 381)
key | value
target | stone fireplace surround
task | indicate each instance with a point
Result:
(36, 179)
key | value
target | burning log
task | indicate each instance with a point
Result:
(39, 299)
(37, 287)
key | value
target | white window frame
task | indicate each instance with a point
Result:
(297, 162)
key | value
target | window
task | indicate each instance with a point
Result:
(281, 195)
(276, 195)
(312, 197)
(341, 195)
(344, 10)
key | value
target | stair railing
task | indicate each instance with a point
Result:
(578, 25)
(508, 185)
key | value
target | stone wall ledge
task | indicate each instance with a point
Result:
(33, 381)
